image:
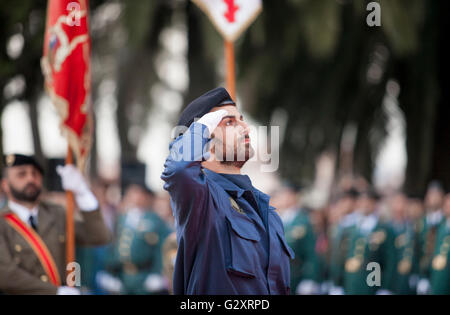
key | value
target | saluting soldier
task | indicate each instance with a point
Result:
(301, 238)
(370, 242)
(230, 240)
(32, 233)
(136, 258)
(428, 232)
(440, 268)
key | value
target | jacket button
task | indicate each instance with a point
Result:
(130, 268)
(18, 248)
(152, 238)
(44, 278)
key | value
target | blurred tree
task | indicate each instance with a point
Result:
(201, 63)
(21, 42)
(320, 62)
(416, 70)
(316, 60)
(323, 83)
(441, 151)
(143, 23)
(21, 49)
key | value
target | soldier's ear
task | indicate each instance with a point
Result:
(212, 147)
(4, 184)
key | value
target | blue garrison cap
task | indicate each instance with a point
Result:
(203, 105)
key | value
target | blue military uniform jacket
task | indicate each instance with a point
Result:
(230, 241)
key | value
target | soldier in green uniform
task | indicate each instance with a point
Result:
(170, 249)
(428, 232)
(370, 242)
(415, 211)
(440, 268)
(339, 238)
(319, 221)
(301, 238)
(405, 267)
(135, 264)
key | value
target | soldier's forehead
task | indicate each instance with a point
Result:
(231, 109)
(18, 168)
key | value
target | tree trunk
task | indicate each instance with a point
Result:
(33, 107)
(125, 91)
(201, 68)
(441, 153)
(418, 101)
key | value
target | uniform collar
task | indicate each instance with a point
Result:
(288, 215)
(23, 212)
(399, 226)
(434, 218)
(230, 182)
(350, 219)
(368, 223)
(237, 185)
(241, 181)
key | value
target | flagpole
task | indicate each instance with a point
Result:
(230, 68)
(70, 230)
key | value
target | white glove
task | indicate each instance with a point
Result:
(423, 287)
(335, 290)
(73, 180)
(307, 287)
(67, 291)
(108, 282)
(155, 283)
(325, 287)
(211, 120)
(383, 292)
(413, 280)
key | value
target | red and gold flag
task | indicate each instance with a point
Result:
(66, 67)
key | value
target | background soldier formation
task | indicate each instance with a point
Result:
(133, 262)
(408, 238)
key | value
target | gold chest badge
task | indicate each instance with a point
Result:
(151, 238)
(400, 241)
(10, 159)
(378, 237)
(439, 262)
(353, 264)
(298, 232)
(404, 266)
(235, 206)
